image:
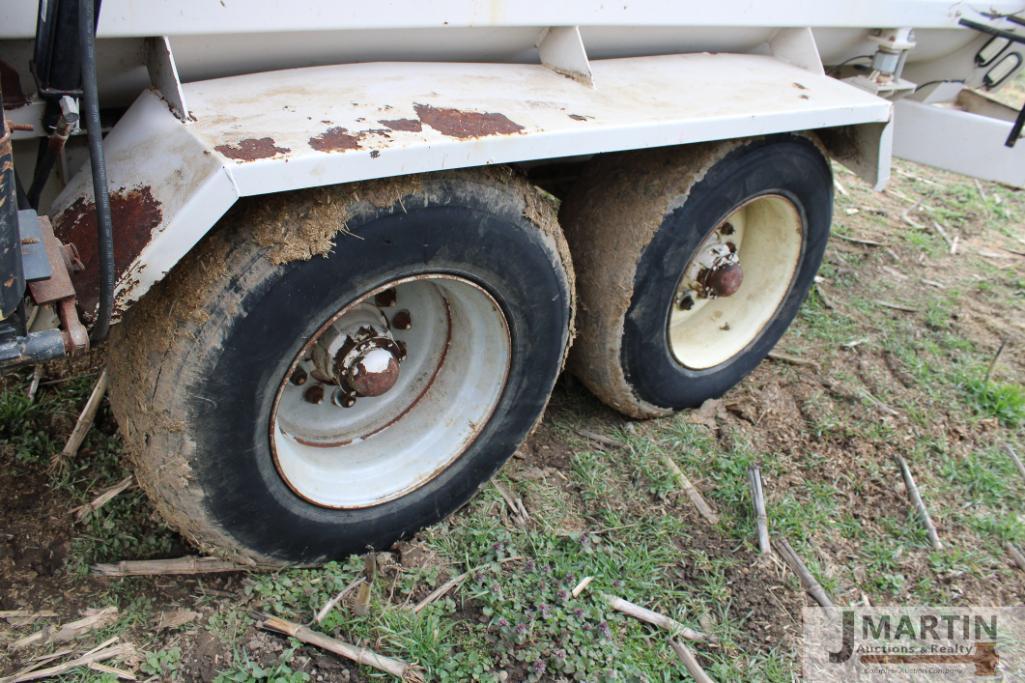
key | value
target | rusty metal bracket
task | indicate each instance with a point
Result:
(58, 291)
(76, 337)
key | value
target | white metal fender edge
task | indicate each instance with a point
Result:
(171, 180)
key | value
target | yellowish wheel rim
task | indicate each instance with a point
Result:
(765, 238)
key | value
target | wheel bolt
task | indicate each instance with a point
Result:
(343, 399)
(386, 298)
(314, 394)
(686, 303)
(298, 377)
(402, 320)
(726, 229)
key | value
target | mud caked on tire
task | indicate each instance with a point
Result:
(336, 368)
(691, 263)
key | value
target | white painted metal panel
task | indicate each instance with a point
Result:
(163, 180)
(194, 17)
(957, 141)
(639, 102)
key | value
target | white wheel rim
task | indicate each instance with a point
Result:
(457, 356)
(767, 236)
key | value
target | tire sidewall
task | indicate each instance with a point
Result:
(790, 166)
(462, 231)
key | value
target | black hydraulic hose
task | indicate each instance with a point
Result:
(104, 226)
(44, 166)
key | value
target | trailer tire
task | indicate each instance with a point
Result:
(205, 366)
(648, 230)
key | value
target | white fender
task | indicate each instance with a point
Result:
(171, 179)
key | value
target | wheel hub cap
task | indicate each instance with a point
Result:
(373, 371)
(724, 276)
(388, 392)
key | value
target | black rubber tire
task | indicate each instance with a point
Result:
(196, 364)
(633, 222)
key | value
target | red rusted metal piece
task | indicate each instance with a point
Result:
(314, 394)
(725, 280)
(466, 124)
(336, 139)
(135, 214)
(58, 286)
(76, 337)
(405, 125)
(252, 149)
(58, 290)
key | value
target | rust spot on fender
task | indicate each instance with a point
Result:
(407, 125)
(252, 149)
(134, 214)
(466, 124)
(336, 139)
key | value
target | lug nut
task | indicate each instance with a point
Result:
(298, 377)
(402, 320)
(343, 399)
(386, 298)
(686, 303)
(314, 394)
(727, 228)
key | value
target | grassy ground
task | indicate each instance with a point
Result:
(885, 382)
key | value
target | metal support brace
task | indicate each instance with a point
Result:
(163, 74)
(562, 50)
(797, 46)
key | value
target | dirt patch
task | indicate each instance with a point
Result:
(297, 226)
(206, 655)
(548, 450)
(35, 540)
(760, 594)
